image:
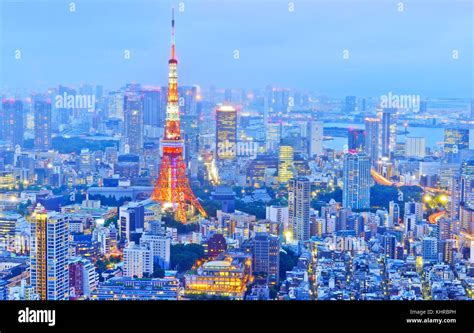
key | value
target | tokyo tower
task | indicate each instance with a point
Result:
(172, 188)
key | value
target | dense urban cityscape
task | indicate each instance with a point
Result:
(174, 192)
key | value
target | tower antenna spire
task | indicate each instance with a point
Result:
(173, 42)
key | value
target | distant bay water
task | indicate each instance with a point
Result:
(434, 136)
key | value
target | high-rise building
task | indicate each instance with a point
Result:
(133, 123)
(280, 100)
(160, 245)
(131, 220)
(49, 254)
(285, 164)
(357, 181)
(172, 189)
(416, 208)
(389, 245)
(356, 139)
(226, 132)
(188, 100)
(372, 139)
(387, 135)
(429, 249)
(466, 185)
(455, 139)
(315, 138)
(42, 115)
(455, 197)
(444, 231)
(272, 136)
(350, 104)
(266, 256)
(415, 147)
(137, 261)
(11, 121)
(409, 221)
(153, 115)
(299, 201)
(393, 214)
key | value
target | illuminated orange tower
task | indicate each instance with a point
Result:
(172, 188)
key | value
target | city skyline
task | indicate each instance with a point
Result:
(272, 194)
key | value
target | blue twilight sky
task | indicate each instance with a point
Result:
(404, 52)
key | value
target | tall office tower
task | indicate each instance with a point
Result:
(415, 147)
(466, 220)
(387, 135)
(444, 231)
(466, 185)
(429, 248)
(350, 104)
(272, 136)
(298, 207)
(266, 256)
(226, 132)
(281, 99)
(228, 95)
(11, 121)
(153, 115)
(372, 139)
(389, 244)
(172, 187)
(315, 138)
(64, 112)
(133, 123)
(356, 179)
(455, 197)
(267, 104)
(409, 221)
(131, 220)
(455, 139)
(356, 140)
(363, 105)
(115, 104)
(42, 110)
(49, 254)
(416, 208)
(285, 164)
(137, 261)
(188, 100)
(393, 214)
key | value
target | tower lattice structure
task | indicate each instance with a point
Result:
(172, 186)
